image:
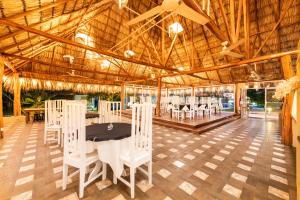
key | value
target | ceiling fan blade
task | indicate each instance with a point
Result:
(154, 11)
(79, 76)
(232, 54)
(191, 14)
(235, 45)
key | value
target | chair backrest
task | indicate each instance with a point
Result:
(103, 111)
(74, 129)
(141, 129)
(110, 111)
(202, 107)
(53, 112)
(148, 99)
(115, 111)
(131, 99)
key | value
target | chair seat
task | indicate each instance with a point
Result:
(53, 127)
(90, 158)
(139, 158)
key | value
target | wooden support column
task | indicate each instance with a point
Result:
(237, 97)
(122, 96)
(286, 118)
(158, 97)
(17, 95)
(1, 103)
(193, 91)
(296, 127)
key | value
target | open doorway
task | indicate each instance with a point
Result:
(257, 102)
(262, 104)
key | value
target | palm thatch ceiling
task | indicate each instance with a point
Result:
(36, 34)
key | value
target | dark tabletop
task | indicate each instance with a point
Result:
(181, 106)
(91, 115)
(99, 132)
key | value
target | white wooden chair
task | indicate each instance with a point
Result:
(53, 121)
(190, 113)
(140, 152)
(110, 111)
(75, 147)
(115, 111)
(177, 113)
(201, 110)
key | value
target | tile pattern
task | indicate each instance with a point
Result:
(240, 160)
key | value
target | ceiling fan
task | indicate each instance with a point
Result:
(258, 77)
(226, 51)
(176, 6)
(72, 73)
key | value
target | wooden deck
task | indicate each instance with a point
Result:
(199, 124)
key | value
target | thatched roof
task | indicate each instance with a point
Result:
(274, 26)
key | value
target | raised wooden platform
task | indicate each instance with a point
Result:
(198, 125)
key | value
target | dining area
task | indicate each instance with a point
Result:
(91, 147)
(149, 100)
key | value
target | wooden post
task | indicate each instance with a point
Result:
(123, 96)
(286, 129)
(158, 97)
(193, 91)
(1, 103)
(237, 97)
(17, 95)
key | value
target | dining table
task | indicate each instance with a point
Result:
(28, 112)
(111, 140)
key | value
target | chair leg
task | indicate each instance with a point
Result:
(150, 172)
(58, 137)
(132, 184)
(61, 139)
(65, 176)
(45, 136)
(104, 171)
(81, 181)
(115, 180)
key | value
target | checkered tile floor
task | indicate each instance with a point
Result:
(241, 160)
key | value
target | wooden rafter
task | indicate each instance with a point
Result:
(58, 77)
(285, 8)
(224, 16)
(166, 59)
(229, 65)
(246, 12)
(63, 66)
(212, 27)
(72, 43)
(40, 9)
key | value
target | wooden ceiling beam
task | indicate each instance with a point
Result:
(212, 27)
(40, 9)
(75, 44)
(238, 23)
(285, 8)
(246, 12)
(232, 20)
(63, 66)
(39, 24)
(224, 16)
(58, 77)
(166, 59)
(8, 63)
(53, 29)
(228, 65)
